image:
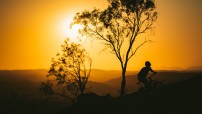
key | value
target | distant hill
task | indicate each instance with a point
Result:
(195, 68)
(40, 74)
(26, 75)
(105, 75)
(99, 88)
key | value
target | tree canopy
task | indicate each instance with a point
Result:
(117, 25)
(70, 71)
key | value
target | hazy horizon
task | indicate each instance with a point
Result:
(165, 68)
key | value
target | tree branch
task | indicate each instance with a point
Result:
(133, 53)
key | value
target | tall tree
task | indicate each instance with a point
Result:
(118, 26)
(70, 71)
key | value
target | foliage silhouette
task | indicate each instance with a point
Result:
(118, 26)
(69, 72)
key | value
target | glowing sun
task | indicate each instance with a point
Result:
(67, 32)
(73, 32)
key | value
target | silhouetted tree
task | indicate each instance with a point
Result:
(70, 71)
(118, 26)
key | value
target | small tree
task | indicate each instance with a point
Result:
(118, 26)
(70, 71)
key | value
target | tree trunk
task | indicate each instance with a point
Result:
(123, 83)
(82, 88)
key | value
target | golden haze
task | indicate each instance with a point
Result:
(32, 31)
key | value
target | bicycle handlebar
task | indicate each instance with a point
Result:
(152, 75)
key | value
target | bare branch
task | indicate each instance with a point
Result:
(133, 53)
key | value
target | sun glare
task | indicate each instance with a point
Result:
(73, 32)
(67, 32)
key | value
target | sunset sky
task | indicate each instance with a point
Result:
(31, 32)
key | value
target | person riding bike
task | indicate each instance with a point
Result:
(143, 74)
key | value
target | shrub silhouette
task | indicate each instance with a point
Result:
(69, 72)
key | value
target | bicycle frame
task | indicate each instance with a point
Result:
(152, 84)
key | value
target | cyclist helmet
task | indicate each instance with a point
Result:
(147, 63)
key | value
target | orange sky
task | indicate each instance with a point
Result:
(31, 32)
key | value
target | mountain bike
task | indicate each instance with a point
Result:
(152, 84)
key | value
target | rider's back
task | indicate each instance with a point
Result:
(143, 72)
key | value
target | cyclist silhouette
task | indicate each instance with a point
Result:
(143, 74)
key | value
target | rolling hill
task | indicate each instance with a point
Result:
(20, 88)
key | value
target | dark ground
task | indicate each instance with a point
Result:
(19, 94)
(184, 97)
